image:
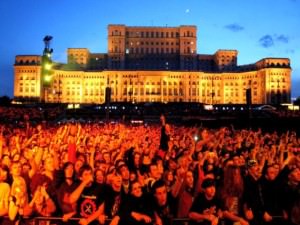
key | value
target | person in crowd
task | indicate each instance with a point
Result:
(136, 210)
(18, 201)
(135, 162)
(164, 204)
(253, 200)
(41, 203)
(113, 199)
(77, 165)
(271, 194)
(47, 178)
(291, 195)
(169, 179)
(153, 174)
(231, 196)
(122, 169)
(15, 169)
(65, 189)
(206, 208)
(164, 137)
(4, 191)
(186, 193)
(88, 195)
(99, 176)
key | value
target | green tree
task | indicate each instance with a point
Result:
(297, 101)
(5, 101)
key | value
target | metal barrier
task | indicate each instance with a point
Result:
(59, 220)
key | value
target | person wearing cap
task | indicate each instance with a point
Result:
(123, 170)
(205, 209)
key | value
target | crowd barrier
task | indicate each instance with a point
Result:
(59, 220)
(74, 220)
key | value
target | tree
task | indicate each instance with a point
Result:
(5, 101)
(297, 101)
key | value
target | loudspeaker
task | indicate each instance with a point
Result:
(248, 96)
(107, 94)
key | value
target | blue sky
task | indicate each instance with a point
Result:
(256, 28)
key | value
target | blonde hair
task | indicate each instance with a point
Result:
(19, 187)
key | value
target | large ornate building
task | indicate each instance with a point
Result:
(154, 64)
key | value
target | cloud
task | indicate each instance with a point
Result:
(234, 27)
(290, 51)
(266, 41)
(283, 38)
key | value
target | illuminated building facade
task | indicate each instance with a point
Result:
(155, 64)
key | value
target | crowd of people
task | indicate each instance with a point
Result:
(140, 174)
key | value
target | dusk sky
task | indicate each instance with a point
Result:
(255, 28)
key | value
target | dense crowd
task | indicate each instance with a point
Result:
(148, 174)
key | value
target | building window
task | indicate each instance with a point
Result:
(194, 91)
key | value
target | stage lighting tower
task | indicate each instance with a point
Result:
(47, 70)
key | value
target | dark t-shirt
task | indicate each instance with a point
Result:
(201, 204)
(62, 191)
(112, 201)
(253, 196)
(138, 205)
(165, 212)
(89, 200)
